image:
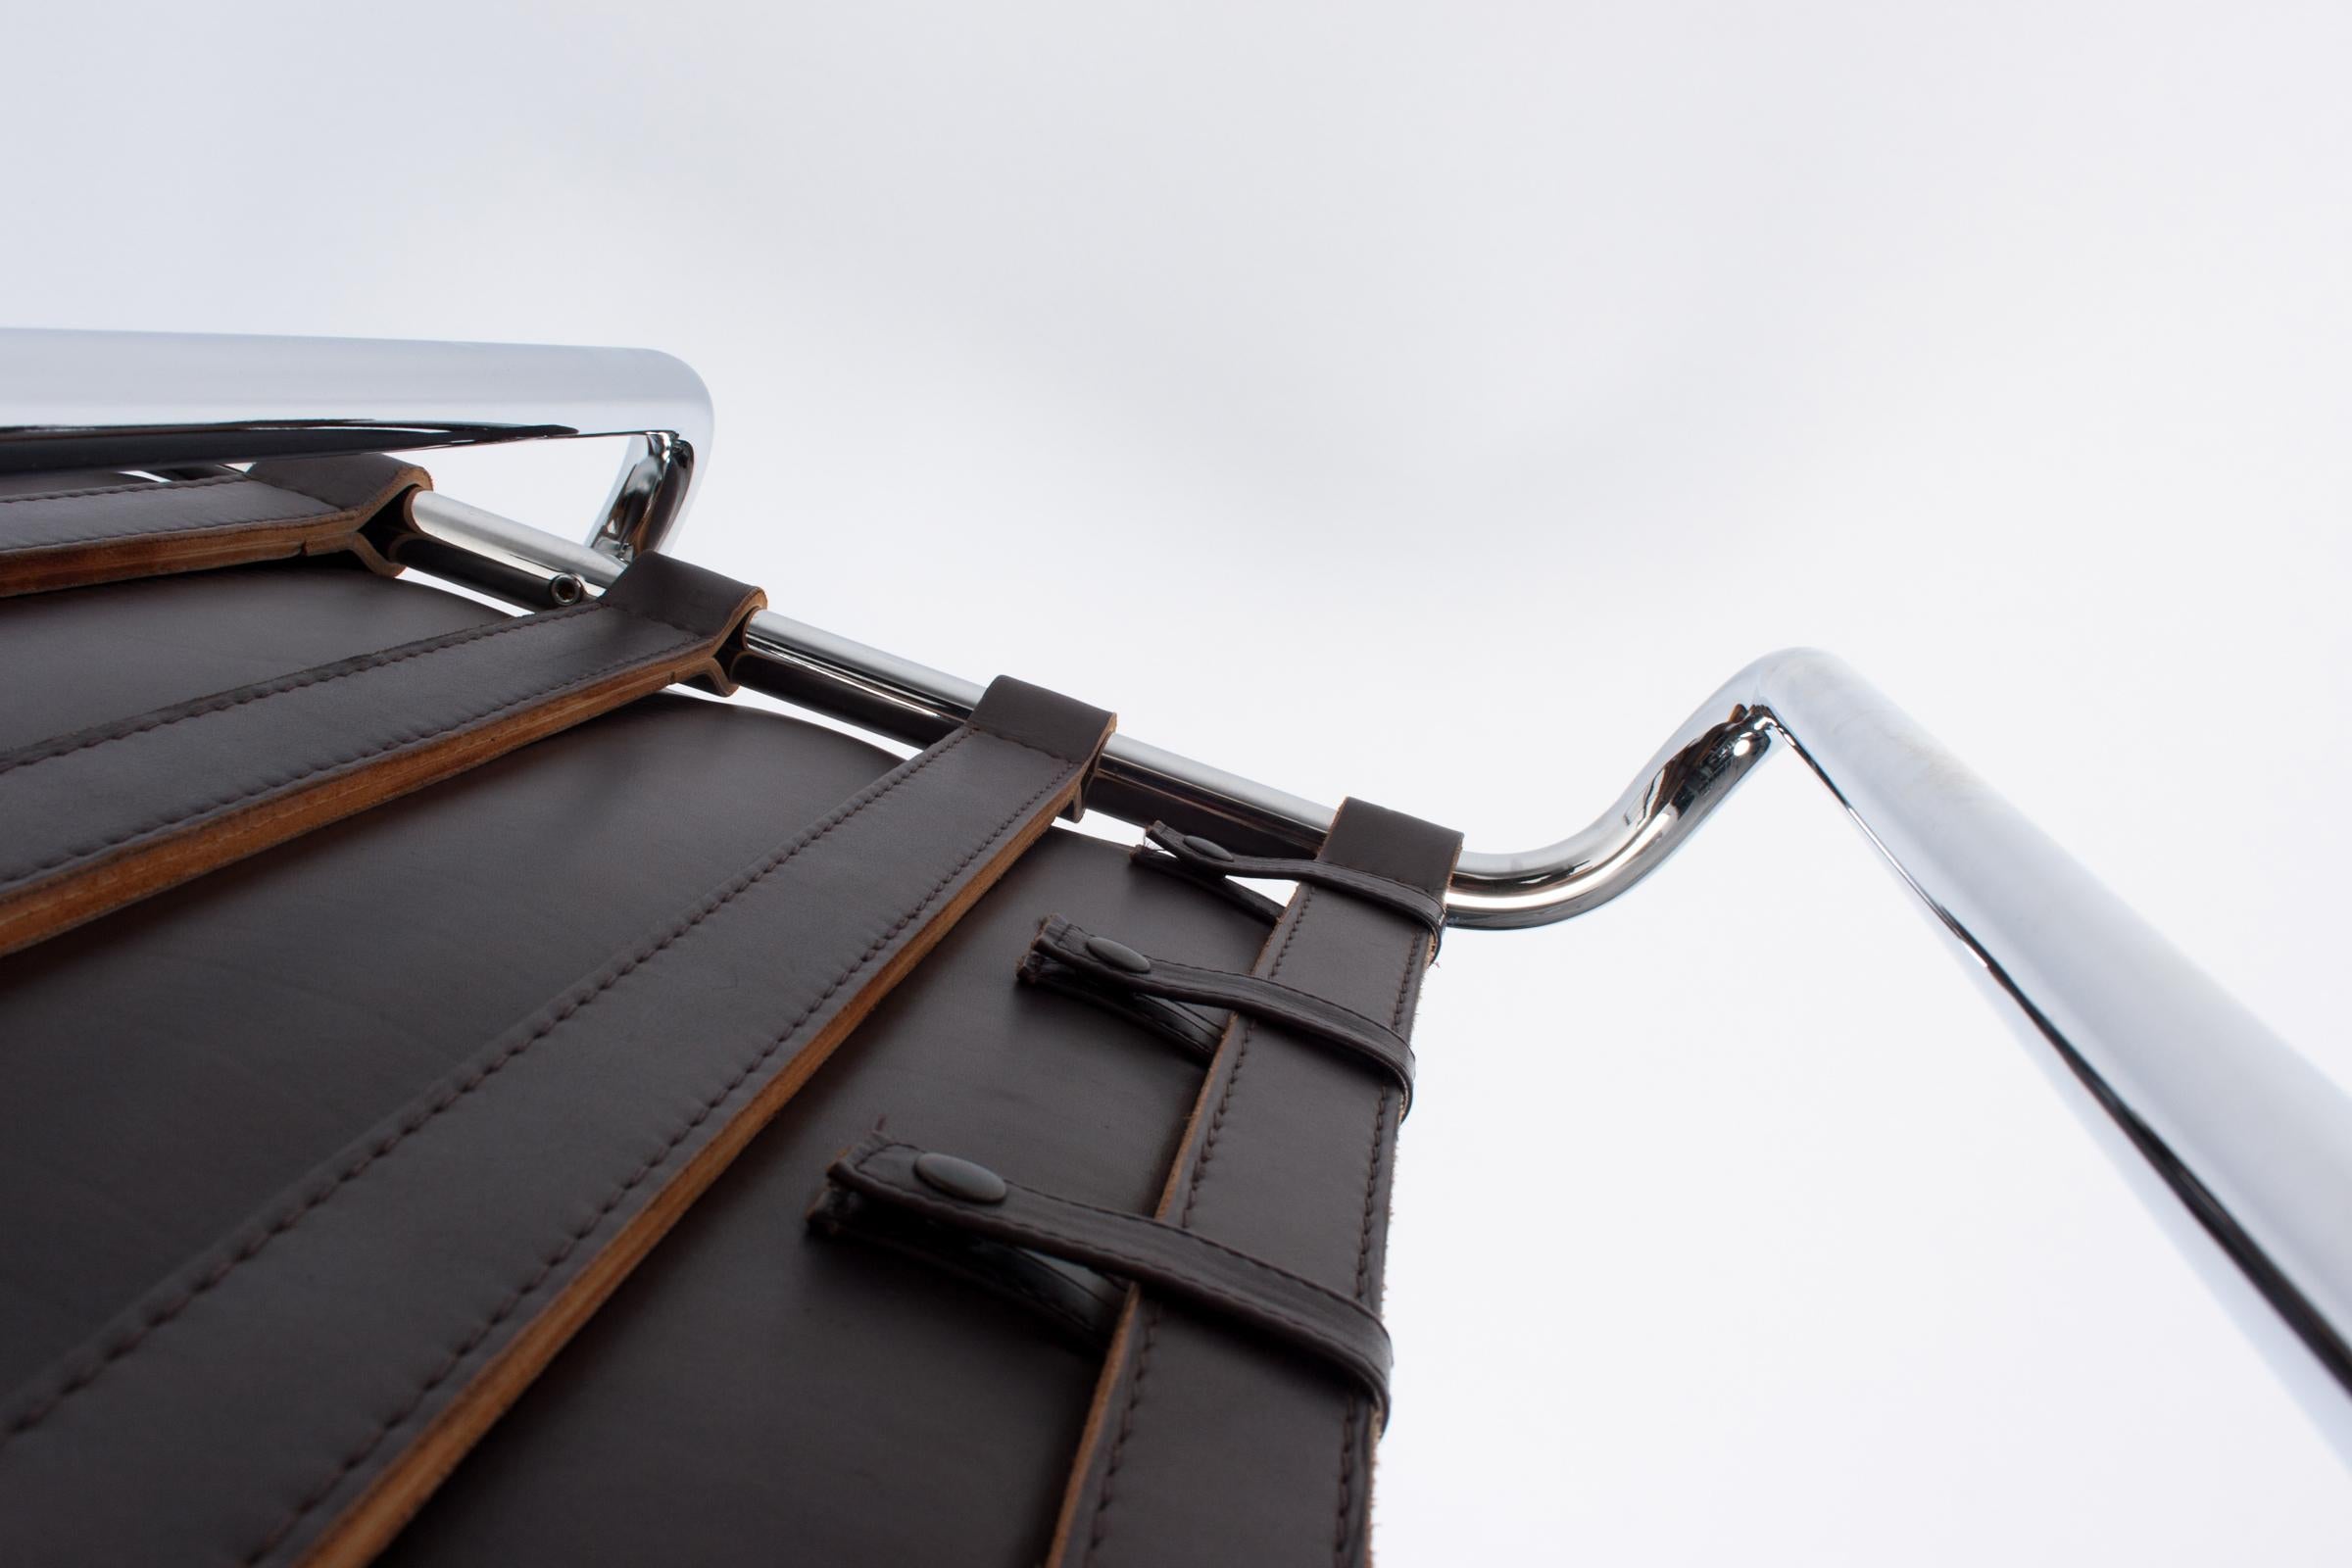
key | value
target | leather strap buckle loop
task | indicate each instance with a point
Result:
(1191, 1031)
(1180, 1264)
(1071, 959)
(1207, 859)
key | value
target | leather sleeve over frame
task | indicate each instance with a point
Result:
(135, 528)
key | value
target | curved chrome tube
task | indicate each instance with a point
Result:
(143, 399)
(2220, 1122)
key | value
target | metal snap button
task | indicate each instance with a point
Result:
(960, 1178)
(1118, 956)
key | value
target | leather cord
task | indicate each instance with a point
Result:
(1224, 1284)
(1067, 956)
(1207, 859)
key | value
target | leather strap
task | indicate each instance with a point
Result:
(294, 1394)
(1287, 1158)
(1208, 860)
(1180, 1264)
(1067, 957)
(1047, 721)
(136, 528)
(109, 815)
(1081, 1303)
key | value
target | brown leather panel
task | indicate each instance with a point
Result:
(135, 528)
(164, 1071)
(1203, 1445)
(755, 1394)
(116, 813)
(86, 656)
(337, 1324)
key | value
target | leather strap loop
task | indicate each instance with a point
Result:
(1047, 721)
(1209, 859)
(1079, 1303)
(1191, 1031)
(1221, 1282)
(1068, 956)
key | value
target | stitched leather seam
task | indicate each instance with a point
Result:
(1110, 1246)
(226, 526)
(382, 493)
(1338, 1528)
(1363, 1235)
(1118, 1445)
(1208, 1144)
(1344, 1512)
(225, 702)
(581, 998)
(480, 1336)
(1241, 1054)
(347, 514)
(142, 489)
(396, 743)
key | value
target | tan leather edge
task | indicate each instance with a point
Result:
(718, 672)
(368, 1525)
(50, 568)
(1116, 1358)
(78, 894)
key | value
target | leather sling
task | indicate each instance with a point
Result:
(114, 814)
(1287, 1159)
(118, 528)
(297, 1392)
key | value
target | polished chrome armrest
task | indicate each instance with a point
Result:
(148, 399)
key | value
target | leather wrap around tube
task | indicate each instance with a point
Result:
(1288, 1159)
(120, 528)
(297, 1390)
(107, 815)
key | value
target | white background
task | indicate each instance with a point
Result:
(1434, 404)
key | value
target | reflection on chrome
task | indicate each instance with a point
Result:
(138, 399)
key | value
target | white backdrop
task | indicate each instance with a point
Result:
(1434, 404)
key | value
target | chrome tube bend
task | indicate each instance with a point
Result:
(2219, 1122)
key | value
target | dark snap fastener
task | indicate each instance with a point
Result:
(1118, 956)
(1208, 849)
(960, 1178)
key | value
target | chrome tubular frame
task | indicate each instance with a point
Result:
(2235, 1137)
(149, 400)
